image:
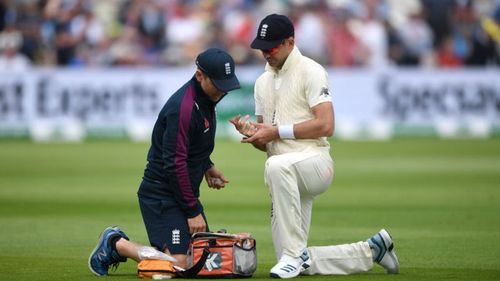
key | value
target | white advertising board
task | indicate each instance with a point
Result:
(71, 104)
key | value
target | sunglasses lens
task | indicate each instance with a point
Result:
(271, 51)
(274, 50)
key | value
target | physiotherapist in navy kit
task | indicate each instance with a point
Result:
(178, 160)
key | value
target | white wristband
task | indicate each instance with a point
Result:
(286, 132)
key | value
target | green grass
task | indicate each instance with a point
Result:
(440, 199)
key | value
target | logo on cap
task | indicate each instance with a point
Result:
(228, 68)
(263, 30)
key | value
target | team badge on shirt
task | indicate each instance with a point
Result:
(207, 125)
(324, 92)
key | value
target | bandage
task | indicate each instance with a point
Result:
(148, 253)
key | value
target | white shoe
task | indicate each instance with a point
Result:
(290, 267)
(386, 254)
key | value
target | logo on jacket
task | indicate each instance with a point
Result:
(207, 126)
(176, 236)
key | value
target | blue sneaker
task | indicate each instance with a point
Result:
(103, 256)
(383, 251)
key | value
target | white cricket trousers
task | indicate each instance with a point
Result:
(294, 179)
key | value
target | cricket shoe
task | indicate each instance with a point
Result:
(383, 251)
(290, 267)
(103, 256)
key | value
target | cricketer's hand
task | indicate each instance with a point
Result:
(215, 178)
(243, 125)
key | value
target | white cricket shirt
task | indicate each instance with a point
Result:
(286, 96)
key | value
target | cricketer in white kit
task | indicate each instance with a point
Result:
(295, 115)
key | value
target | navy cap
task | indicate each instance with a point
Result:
(273, 29)
(219, 67)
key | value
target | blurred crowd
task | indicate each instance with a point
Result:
(339, 33)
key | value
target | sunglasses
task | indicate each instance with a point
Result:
(274, 50)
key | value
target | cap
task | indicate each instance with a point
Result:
(273, 29)
(219, 67)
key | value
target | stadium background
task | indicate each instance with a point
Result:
(416, 92)
(77, 69)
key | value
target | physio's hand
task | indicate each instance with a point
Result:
(263, 135)
(243, 125)
(197, 224)
(215, 178)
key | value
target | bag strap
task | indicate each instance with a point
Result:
(193, 270)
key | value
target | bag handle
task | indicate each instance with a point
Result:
(193, 270)
(211, 235)
(216, 235)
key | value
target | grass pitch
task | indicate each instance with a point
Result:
(440, 199)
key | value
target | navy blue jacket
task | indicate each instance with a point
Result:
(182, 141)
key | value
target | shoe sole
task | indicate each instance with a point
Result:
(274, 275)
(386, 237)
(101, 236)
(305, 265)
